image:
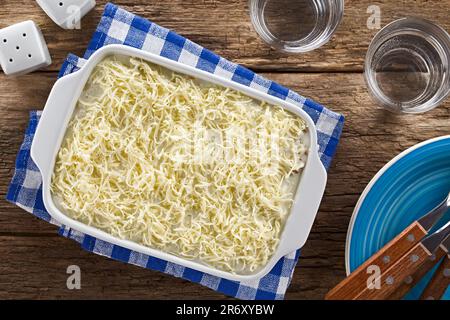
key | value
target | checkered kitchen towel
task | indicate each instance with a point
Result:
(120, 26)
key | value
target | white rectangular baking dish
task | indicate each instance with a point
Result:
(58, 112)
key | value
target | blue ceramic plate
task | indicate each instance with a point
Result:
(406, 188)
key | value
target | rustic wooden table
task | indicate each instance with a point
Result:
(34, 258)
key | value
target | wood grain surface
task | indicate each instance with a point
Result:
(34, 258)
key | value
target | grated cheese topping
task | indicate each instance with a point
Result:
(170, 162)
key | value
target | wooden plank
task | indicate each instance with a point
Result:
(37, 258)
(36, 269)
(224, 26)
(371, 136)
(18, 96)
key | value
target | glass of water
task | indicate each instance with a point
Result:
(407, 66)
(296, 25)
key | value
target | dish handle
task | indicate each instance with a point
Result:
(299, 224)
(51, 124)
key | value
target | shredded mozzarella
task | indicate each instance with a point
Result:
(138, 161)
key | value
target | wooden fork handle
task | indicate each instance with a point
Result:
(410, 282)
(389, 281)
(439, 283)
(356, 282)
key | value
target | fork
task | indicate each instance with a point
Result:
(391, 254)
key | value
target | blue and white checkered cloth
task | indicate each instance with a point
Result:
(123, 27)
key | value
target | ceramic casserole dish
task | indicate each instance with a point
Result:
(59, 110)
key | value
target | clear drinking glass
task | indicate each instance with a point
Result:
(296, 25)
(407, 66)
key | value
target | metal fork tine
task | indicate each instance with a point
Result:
(433, 241)
(431, 218)
(446, 244)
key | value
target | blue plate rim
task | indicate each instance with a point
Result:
(377, 176)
